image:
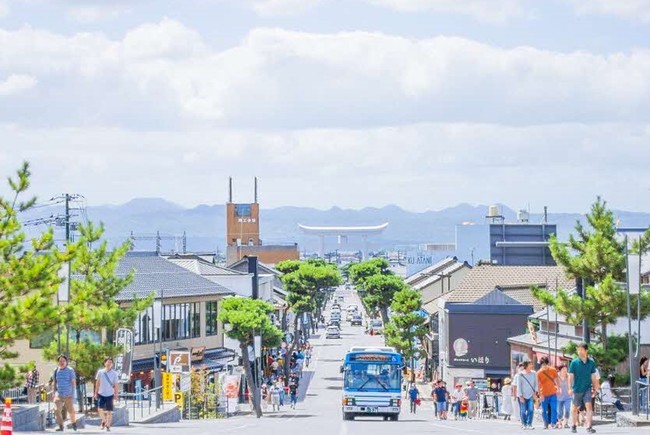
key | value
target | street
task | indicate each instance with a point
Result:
(320, 411)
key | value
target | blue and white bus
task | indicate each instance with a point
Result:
(372, 380)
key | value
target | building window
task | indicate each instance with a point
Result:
(181, 321)
(145, 330)
(211, 318)
(43, 340)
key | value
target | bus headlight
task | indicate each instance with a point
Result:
(396, 402)
(348, 401)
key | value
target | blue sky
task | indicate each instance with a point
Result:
(419, 103)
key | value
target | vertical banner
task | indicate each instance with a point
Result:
(124, 338)
(230, 388)
(167, 387)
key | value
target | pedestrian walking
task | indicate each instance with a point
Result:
(65, 384)
(456, 397)
(527, 390)
(582, 379)
(506, 394)
(441, 397)
(516, 406)
(414, 396)
(472, 394)
(293, 394)
(106, 390)
(547, 380)
(275, 397)
(563, 398)
(32, 379)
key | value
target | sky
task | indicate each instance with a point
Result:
(352, 103)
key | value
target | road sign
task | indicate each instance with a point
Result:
(178, 398)
(167, 387)
(179, 361)
(124, 339)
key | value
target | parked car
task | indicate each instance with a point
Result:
(332, 332)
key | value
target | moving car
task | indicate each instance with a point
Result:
(357, 319)
(332, 332)
(352, 308)
(376, 326)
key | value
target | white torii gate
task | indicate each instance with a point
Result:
(342, 233)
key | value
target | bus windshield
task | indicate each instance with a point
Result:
(372, 377)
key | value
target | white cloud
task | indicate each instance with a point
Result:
(94, 13)
(4, 8)
(284, 79)
(422, 166)
(283, 7)
(637, 10)
(482, 10)
(16, 84)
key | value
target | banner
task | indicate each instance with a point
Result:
(167, 387)
(124, 338)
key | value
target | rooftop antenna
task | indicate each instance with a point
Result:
(230, 189)
(545, 214)
(255, 190)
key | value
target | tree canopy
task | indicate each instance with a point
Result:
(29, 276)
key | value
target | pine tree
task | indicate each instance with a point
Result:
(406, 327)
(92, 307)
(29, 277)
(596, 256)
(246, 318)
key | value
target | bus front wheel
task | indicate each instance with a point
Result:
(348, 416)
(394, 417)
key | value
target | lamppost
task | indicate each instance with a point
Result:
(633, 275)
(257, 349)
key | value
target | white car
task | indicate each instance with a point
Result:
(332, 332)
(352, 308)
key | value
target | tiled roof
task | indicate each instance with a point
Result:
(515, 281)
(430, 271)
(542, 343)
(202, 267)
(157, 274)
(242, 265)
(449, 270)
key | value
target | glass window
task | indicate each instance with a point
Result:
(43, 340)
(182, 321)
(211, 318)
(144, 329)
(372, 377)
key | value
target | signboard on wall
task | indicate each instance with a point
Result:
(478, 340)
(167, 387)
(125, 339)
(179, 361)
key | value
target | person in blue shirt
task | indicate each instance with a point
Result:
(65, 384)
(414, 395)
(441, 396)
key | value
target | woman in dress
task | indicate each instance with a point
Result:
(506, 393)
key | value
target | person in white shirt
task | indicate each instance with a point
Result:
(457, 396)
(506, 393)
(606, 394)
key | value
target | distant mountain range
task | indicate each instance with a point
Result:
(205, 224)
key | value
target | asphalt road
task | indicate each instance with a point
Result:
(320, 411)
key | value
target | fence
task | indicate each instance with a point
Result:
(140, 401)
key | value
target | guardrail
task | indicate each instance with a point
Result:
(141, 400)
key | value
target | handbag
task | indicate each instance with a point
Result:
(418, 401)
(535, 393)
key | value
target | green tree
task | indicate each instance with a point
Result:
(92, 308)
(246, 318)
(288, 266)
(360, 272)
(606, 358)
(379, 292)
(29, 277)
(305, 286)
(597, 256)
(406, 327)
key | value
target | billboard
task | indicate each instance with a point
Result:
(124, 338)
(478, 340)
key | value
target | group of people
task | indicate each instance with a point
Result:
(562, 393)
(462, 402)
(64, 385)
(298, 360)
(275, 392)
